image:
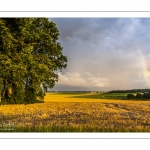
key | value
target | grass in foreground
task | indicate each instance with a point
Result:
(60, 113)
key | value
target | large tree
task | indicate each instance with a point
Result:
(30, 55)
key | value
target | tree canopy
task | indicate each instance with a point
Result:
(30, 55)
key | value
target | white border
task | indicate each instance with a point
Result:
(74, 5)
(53, 135)
(68, 14)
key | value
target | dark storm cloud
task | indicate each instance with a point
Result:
(83, 28)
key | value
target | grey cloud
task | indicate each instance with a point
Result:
(105, 46)
(83, 28)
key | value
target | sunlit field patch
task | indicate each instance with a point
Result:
(66, 113)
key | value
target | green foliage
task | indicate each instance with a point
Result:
(30, 54)
(130, 96)
(146, 95)
(139, 96)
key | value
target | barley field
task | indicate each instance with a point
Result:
(68, 113)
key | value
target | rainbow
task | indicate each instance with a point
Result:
(145, 66)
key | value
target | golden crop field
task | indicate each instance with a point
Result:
(61, 113)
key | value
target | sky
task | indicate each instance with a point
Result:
(104, 53)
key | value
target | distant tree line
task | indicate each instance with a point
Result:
(130, 91)
(139, 96)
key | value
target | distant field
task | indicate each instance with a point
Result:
(102, 95)
(70, 113)
(86, 97)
